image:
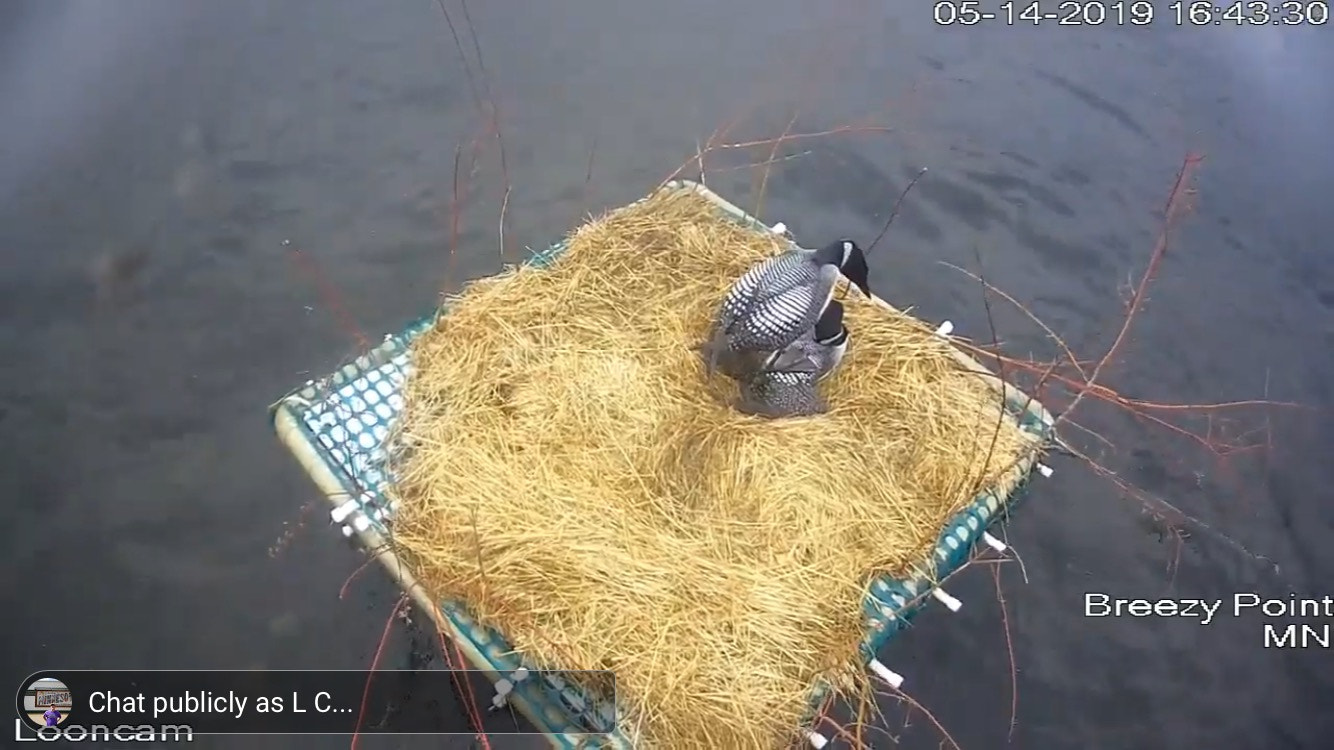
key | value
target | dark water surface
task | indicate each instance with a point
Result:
(154, 156)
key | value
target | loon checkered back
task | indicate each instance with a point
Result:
(781, 394)
(774, 302)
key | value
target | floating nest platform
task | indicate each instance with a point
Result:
(567, 489)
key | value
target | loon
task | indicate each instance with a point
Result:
(780, 298)
(785, 384)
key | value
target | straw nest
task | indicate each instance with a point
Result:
(575, 480)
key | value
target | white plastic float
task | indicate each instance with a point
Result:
(505, 686)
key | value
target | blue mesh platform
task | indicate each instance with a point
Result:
(337, 428)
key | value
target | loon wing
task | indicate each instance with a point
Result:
(769, 277)
(778, 319)
(758, 282)
(754, 285)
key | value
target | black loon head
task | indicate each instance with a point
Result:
(850, 259)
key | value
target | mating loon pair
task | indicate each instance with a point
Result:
(779, 331)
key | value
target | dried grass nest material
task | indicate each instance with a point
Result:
(580, 485)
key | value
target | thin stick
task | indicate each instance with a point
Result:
(458, 45)
(1163, 509)
(592, 152)
(504, 206)
(375, 662)
(477, 47)
(1009, 648)
(454, 212)
(1023, 569)
(930, 717)
(991, 326)
(328, 294)
(719, 134)
(764, 179)
(804, 136)
(1091, 433)
(1215, 406)
(897, 205)
(842, 732)
(1160, 249)
(588, 176)
(493, 110)
(462, 688)
(699, 159)
(1050, 333)
(1107, 394)
(347, 582)
(766, 162)
(490, 97)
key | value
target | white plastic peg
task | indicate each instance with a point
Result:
(817, 740)
(506, 686)
(781, 228)
(347, 531)
(945, 329)
(944, 598)
(1045, 470)
(993, 542)
(341, 513)
(891, 678)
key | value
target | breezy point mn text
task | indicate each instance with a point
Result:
(1308, 619)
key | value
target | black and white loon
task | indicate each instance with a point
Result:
(780, 298)
(785, 384)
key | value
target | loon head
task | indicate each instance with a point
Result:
(850, 259)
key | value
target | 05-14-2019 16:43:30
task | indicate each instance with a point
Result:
(1192, 13)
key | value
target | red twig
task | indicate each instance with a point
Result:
(375, 662)
(768, 165)
(912, 703)
(347, 582)
(804, 136)
(894, 214)
(1156, 257)
(1009, 649)
(462, 688)
(454, 207)
(329, 295)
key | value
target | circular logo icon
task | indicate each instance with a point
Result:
(47, 702)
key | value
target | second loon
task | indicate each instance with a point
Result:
(785, 383)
